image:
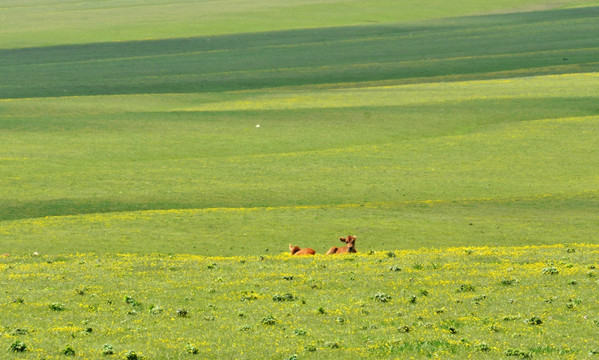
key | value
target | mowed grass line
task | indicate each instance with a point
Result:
(516, 44)
(454, 303)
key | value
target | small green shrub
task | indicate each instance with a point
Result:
(269, 320)
(249, 296)
(509, 282)
(404, 329)
(550, 270)
(192, 349)
(535, 320)
(129, 300)
(56, 307)
(382, 297)
(518, 353)
(332, 345)
(131, 355)
(17, 346)
(68, 351)
(283, 297)
(482, 347)
(465, 288)
(107, 349)
(154, 310)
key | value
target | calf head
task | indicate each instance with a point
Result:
(293, 249)
(350, 242)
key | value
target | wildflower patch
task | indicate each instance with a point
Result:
(461, 307)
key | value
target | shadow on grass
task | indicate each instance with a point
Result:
(65, 207)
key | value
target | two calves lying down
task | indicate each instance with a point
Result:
(350, 247)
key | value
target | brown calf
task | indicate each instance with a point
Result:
(350, 240)
(295, 250)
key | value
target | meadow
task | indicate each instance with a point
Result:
(475, 302)
(158, 157)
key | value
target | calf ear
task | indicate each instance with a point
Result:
(342, 239)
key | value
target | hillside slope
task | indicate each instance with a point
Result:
(454, 131)
(496, 46)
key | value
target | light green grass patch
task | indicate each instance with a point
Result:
(40, 23)
(546, 87)
(548, 219)
(535, 87)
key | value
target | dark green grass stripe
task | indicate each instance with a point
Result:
(304, 57)
(586, 201)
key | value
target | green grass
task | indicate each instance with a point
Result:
(41, 23)
(452, 303)
(498, 46)
(425, 160)
(458, 141)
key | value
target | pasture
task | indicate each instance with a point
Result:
(161, 156)
(505, 302)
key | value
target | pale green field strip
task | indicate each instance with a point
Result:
(452, 303)
(546, 219)
(529, 148)
(545, 87)
(42, 23)
(549, 86)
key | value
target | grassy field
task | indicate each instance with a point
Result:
(28, 23)
(160, 156)
(192, 181)
(477, 302)
(479, 47)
